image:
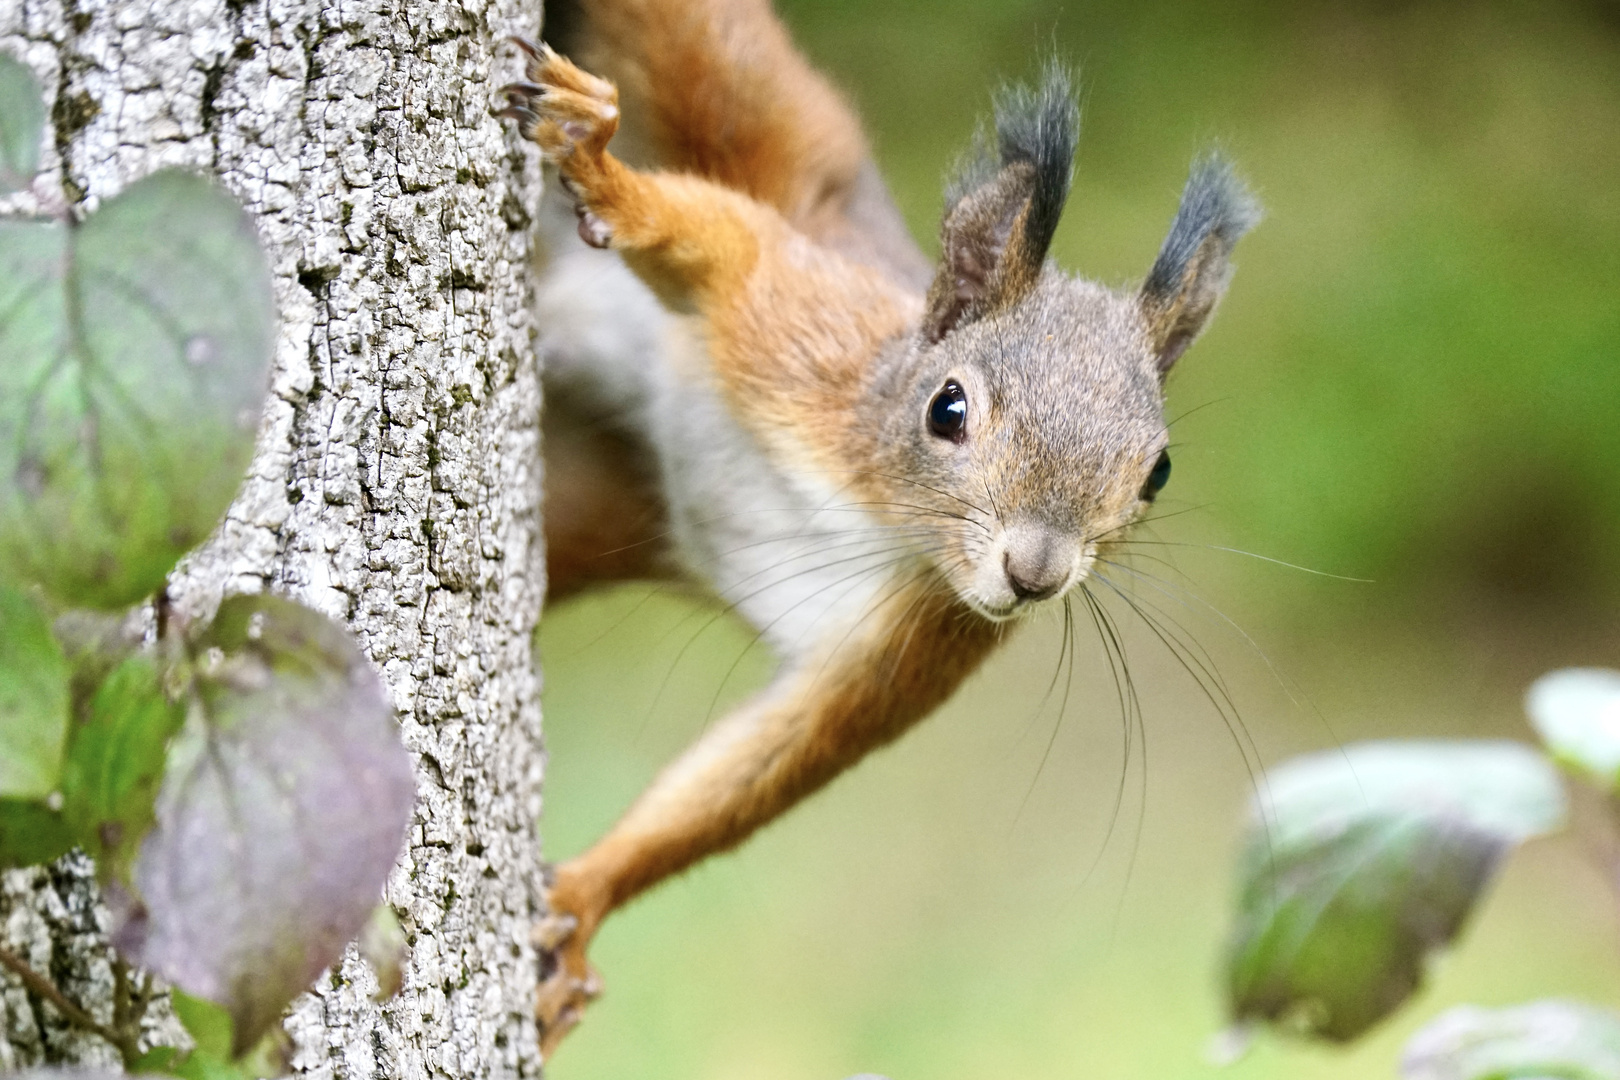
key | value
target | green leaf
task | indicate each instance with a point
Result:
(383, 944)
(95, 642)
(115, 764)
(283, 810)
(208, 1025)
(22, 125)
(31, 833)
(1360, 862)
(133, 359)
(1577, 714)
(159, 1059)
(200, 1066)
(1564, 1039)
(33, 700)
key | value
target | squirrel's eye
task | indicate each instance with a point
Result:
(1159, 477)
(947, 415)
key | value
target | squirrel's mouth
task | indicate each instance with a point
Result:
(1016, 608)
(1000, 600)
(997, 614)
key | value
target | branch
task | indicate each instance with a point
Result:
(40, 986)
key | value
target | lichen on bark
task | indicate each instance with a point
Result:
(396, 482)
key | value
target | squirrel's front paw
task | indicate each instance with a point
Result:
(571, 114)
(561, 107)
(571, 984)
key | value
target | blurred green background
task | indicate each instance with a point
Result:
(1414, 380)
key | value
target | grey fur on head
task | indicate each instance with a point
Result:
(1038, 125)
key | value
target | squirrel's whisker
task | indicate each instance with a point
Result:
(918, 483)
(1254, 555)
(854, 578)
(851, 508)
(1208, 681)
(1067, 647)
(1182, 593)
(1130, 715)
(1179, 417)
(919, 575)
(903, 551)
(663, 587)
(1142, 523)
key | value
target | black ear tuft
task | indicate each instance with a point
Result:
(1194, 264)
(1041, 126)
(1003, 204)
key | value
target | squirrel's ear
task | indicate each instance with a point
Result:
(1194, 264)
(1004, 204)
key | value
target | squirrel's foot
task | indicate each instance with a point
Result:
(571, 985)
(568, 112)
(571, 114)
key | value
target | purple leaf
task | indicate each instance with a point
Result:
(283, 810)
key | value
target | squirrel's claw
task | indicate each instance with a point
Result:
(520, 100)
(530, 49)
(559, 106)
(516, 91)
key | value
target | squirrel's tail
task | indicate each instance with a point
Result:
(716, 88)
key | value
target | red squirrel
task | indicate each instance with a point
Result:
(760, 385)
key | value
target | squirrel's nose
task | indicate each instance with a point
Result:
(1036, 564)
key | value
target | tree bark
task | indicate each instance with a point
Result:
(396, 485)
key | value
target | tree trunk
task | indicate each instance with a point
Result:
(396, 484)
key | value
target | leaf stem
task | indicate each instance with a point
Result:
(40, 986)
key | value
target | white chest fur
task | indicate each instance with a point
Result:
(795, 555)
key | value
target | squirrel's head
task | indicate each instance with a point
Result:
(1028, 405)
